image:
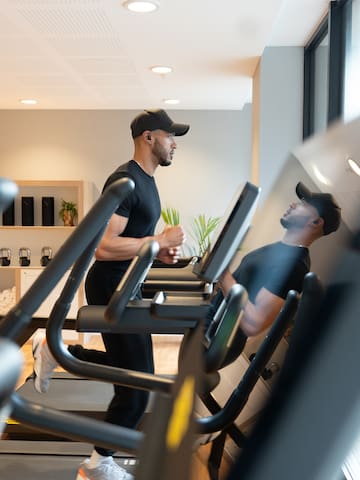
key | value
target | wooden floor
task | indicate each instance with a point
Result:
(165, 354)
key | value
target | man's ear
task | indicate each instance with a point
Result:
(147, 136)
(319, 222)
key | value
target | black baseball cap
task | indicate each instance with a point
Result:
(325, 204)
(156, 120)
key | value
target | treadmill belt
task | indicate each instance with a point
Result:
(68, 393)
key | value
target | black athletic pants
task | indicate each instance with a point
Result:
(131, 351)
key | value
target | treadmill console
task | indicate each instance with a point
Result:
(230, 233)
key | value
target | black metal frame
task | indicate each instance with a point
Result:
(335, 25)
(309, 77)
(337, 43)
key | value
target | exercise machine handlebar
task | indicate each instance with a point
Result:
(131, 282)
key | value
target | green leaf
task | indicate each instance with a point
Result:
(170, 216)
(202, 230)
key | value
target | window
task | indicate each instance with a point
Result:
(321, 82)
(324, 68)
(316, 81)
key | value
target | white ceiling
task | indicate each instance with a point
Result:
(94, 54)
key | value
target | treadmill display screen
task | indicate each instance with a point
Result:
(229, 235)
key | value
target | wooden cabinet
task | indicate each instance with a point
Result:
(38, 237)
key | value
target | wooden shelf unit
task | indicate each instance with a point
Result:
(69, 190)
(38, 236)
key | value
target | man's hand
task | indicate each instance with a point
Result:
(170, 241)
(172, 236)
(169, 255)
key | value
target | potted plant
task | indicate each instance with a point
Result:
(68, 212)
(202, 229)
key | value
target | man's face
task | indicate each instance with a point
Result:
(163, 147)
(298, 215)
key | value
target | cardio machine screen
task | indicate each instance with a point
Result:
(229, 234)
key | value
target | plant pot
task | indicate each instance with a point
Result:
(68, 219)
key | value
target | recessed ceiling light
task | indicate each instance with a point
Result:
(320, 176)
(144, 6)
(355, 167)
(28, 101)
(161, 69)
(171, 101)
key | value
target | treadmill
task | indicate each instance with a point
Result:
(172, 313)
(177, 313)
(9, 327)
(165, 313)
(154, 315)
(34, 459)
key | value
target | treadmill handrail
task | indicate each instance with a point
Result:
(227, 414)
(130, 283)
(237, 400)
(11, 365)
(75, 427)
(89, 228)
(182, 313)
(81, 368)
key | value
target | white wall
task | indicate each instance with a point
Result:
(210, 162)
(280, 110)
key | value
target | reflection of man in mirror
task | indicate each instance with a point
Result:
(269, 272)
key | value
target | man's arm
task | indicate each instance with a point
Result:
(258, 316)
(114, 247)
(261, 314)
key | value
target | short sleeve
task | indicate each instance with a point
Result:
(279, 280)
(124, 209)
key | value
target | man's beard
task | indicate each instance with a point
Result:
(284, 223)
(161, 154)
(293, 222)
(164, 162)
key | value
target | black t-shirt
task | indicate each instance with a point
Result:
(142, 206)
(277, 267)
(142, 209)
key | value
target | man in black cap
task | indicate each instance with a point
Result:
(269, 272)
(130, 226)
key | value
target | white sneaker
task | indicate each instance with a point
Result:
(44, 363)
(106, 470)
